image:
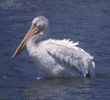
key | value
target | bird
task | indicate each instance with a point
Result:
(55, 58)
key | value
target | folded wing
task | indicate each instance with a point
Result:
(69, 55)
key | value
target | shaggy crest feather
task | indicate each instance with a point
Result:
(65, 42)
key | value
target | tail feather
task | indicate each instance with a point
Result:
(88, 75)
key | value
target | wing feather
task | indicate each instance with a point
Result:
(73, 56)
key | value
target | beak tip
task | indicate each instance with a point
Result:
(12, 57)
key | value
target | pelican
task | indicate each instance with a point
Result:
(55, 58)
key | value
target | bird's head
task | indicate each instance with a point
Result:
(39, 26)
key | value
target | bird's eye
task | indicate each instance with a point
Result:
(34, 25)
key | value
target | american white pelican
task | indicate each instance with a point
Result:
(56, 58)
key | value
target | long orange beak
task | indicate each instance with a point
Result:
(34, 30)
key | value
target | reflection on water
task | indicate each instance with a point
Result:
(57, 88)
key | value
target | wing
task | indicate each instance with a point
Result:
(71, 56)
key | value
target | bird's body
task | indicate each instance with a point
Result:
(60, 58)
(57, 58)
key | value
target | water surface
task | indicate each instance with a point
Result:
(85, 21)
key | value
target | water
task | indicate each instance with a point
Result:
(85, 21)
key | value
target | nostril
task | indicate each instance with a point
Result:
(88, 75)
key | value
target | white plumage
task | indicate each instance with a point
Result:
(58, 58)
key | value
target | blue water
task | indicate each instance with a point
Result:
(86, 21)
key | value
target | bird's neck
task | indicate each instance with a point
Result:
(34, 40)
